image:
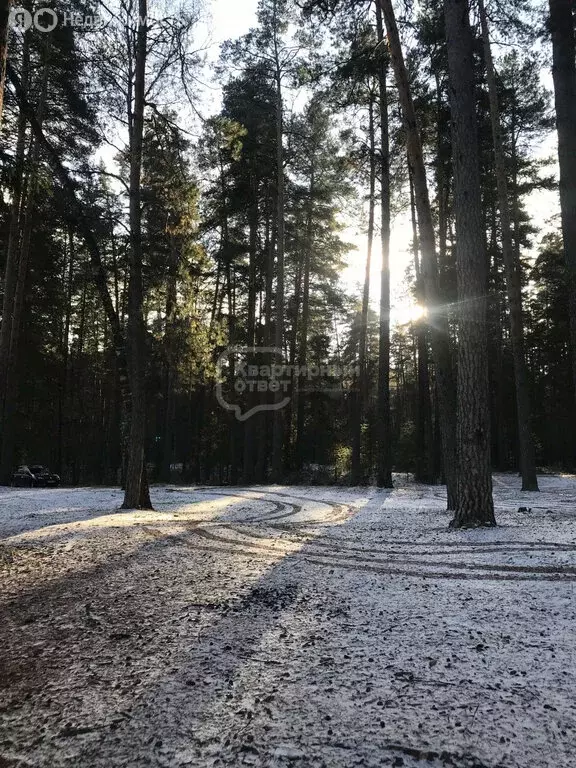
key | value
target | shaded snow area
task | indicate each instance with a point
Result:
(287, 627)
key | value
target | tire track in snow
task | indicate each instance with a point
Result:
(458, 547)
(322, 550)
(340, 559)
(339, 512)
(334, 561)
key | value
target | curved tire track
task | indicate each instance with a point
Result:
(321, 550)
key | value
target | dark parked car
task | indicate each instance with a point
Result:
(35, 476)
(23, 478)
(44, 477)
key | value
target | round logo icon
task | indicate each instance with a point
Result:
(21, 18)
(45, 20)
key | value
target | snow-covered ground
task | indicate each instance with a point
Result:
(284, 626)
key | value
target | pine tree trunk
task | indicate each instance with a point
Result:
(474, 498)
(63, 414)
(232, 461)
(384, 437)
(436, 314)
(278, 424)
(424, 472)
(250, 425)
(136, 495)
(295, 311)
(303, 350)
(442, 192)
(513, 278)
(359, 399)
(253, 256)
(562, 24)
(499, 408)
(264, 421)
(171, 363)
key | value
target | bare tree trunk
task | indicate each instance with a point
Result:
(562, 21)
(513, 278)
(475, 506)
(384, 437)
(360, 395)
(437, 315)
(136, 495)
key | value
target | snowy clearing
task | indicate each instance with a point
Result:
(287, 627)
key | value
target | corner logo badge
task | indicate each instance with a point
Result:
(44, 19)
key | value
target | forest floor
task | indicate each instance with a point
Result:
(282, 626)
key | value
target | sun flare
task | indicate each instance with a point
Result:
(410, 313)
